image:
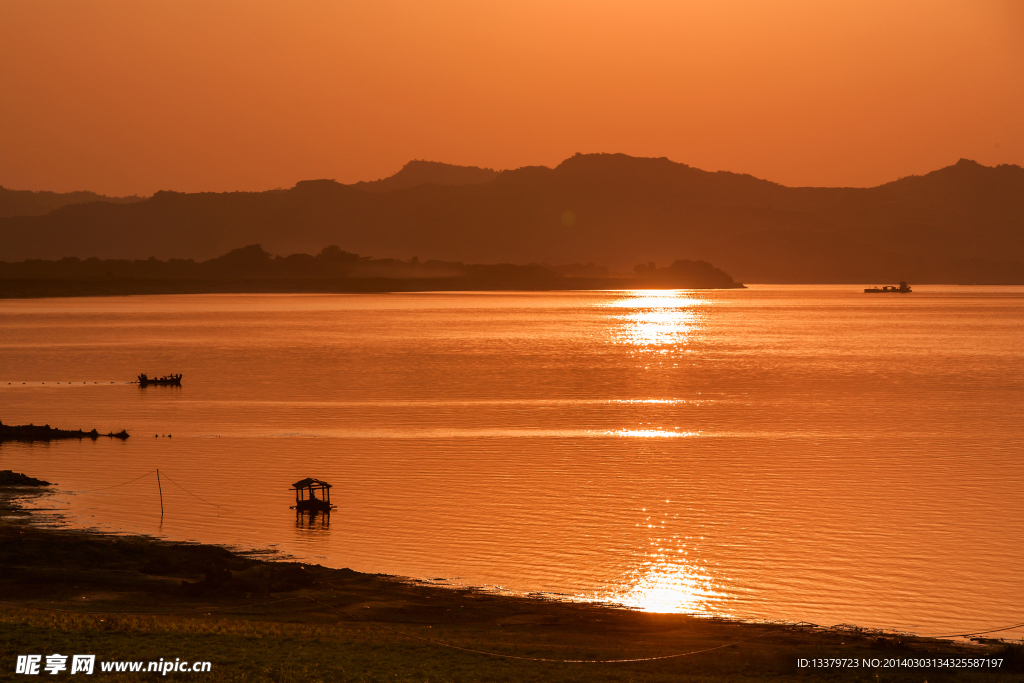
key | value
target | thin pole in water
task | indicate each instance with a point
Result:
(161, 490)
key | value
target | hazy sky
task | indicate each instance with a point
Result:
(130, 97)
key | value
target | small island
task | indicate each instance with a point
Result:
(31, 432)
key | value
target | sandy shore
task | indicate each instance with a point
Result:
(134, 598)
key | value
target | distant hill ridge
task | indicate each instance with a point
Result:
(962, 223)
(413, 174)
(29, 203)
(418, 172)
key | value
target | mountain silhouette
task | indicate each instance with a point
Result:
(419, 172)
(962, 223)
(28, 203)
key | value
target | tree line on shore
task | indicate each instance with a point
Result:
(253, 262)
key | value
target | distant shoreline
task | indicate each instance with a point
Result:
(32, 288)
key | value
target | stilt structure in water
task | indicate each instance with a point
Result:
(306, 497)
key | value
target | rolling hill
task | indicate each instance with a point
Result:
(963, 223)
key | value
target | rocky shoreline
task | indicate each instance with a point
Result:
(11, 478)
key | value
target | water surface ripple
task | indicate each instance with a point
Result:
(778, 452)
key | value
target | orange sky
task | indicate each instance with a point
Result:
(130, 97)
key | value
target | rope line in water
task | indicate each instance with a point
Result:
(165, 476)
(189, 492)
(104, 488)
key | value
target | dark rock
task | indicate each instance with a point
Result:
(11, 478)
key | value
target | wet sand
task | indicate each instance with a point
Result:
(255, 619)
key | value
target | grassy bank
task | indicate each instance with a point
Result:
(137, 599)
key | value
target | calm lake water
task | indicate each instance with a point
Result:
(800, 453)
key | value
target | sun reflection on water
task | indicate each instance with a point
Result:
(651, 433)
(657, 318)
(654, 298)
(670, 586)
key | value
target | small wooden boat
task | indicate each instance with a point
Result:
(904, 288)
(166, 380)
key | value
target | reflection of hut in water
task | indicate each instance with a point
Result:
(306, 495)
(312, 519)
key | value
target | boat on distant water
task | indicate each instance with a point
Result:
(166, 380)
(893, 289)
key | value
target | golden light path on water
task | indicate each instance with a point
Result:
(657, 318)
(650, 433)
(654, 298)
(670, 586)
(668, 579)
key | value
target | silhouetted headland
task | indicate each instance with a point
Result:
(32, 432)
(252, 269)
(684, 274)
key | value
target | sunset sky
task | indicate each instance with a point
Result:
(126, 97)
